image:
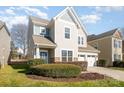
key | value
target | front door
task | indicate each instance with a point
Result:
(44, 56)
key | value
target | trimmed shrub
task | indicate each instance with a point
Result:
(34, 62)
(56, 70)
(82, 64)
(101, 63)
(118, 64)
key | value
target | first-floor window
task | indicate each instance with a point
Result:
(64, 55)
(67, 55)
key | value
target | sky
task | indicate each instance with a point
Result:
(96, 20)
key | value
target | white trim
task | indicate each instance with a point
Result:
(72, 12)
(81, 24)
(60, 13)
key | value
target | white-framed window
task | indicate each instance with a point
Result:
(67, 55)
(117, 44)
(43, 31)
(82, 40)
(67, 33)
(39, 30)
(78, 40)
(64, 55)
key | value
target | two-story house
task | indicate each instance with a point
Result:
(109, 44)
(5, 42)
(63, 39)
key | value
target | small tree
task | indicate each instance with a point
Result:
(19, 36)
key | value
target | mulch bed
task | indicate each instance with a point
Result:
(82, 77)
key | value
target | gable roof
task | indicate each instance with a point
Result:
(105, 34)
(88, 49)
(39, 21)
(74, 15)
(43, 42)
(2, 24)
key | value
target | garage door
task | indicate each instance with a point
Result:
(81, 57)
(91, 60)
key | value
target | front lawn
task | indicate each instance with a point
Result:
(117, 68)
(15, 76)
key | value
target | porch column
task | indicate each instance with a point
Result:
(37, 52)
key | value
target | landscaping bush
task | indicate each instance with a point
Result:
(34, 62)
(56, 70)
(82, 64)
(118, 64)
(101, 63)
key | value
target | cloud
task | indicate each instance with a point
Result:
(114, 8)
(90, 18)
(31, 11)
(8, 11)
(11, 20)
(45, 7)
(10, 15)
(108, 8)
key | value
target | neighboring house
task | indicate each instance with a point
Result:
(109, 44)
(5, 42)
(63, 39)
(123, 49)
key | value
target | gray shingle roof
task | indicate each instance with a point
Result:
(105, 34)
(39, 21)
(43, 42)
(1, 24)
(88, 49)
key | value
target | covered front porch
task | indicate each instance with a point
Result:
(44, 48)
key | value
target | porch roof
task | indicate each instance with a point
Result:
(88, 49)
(43, 42)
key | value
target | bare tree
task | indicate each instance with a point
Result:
(19, 36)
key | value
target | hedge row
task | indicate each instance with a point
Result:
(82, 64)
(34, 62)
(118, 64)
(56, 70)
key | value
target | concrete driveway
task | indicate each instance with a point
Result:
(116, 74)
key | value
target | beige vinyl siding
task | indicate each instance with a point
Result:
(4, 45)
(30, 39)
(105, 47)
(62, 42)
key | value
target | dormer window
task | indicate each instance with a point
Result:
(39, 30)
(43, 31)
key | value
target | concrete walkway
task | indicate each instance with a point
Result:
(116, 74)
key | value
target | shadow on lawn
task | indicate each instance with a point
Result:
(23, 68)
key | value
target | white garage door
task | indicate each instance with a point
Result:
(81, 57)
(91, 60)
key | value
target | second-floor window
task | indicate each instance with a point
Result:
(39, 30)
(43, 31)
(80, 40)
(67, 33)
(117, 44)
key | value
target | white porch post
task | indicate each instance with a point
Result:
(37, 52)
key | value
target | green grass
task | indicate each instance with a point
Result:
(117, 68)
(15, 76)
